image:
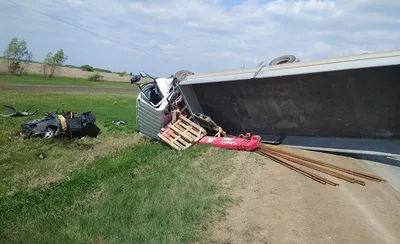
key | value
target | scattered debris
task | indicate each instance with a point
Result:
(286, 158)
(182, 133)
(65, 124)
(42, 155)
(245, 143)
(15, 113)
(119, 122)
(208, 124)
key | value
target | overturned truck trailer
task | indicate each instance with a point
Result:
(352, 99)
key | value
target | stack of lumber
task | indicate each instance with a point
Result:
(295, 162)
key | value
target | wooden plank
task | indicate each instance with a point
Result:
(169, 142)
(187, 131)
(178, 144)
(185, 127)
(180, 127)
(191, 123)
(192, 129)
(179, 132)
(186, 120)
(191, 132)
(195, 133)
(188, 127)
(189, 135)
(180, 139)
(182, 134)
(198, 136)
(182, 123)
(173, 140)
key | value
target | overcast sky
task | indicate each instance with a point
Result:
(163, 36)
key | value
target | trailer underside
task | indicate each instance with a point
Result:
(356, 103)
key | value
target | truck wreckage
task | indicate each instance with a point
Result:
(348, 104)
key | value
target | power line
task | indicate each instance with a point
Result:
(123, 21)
(66, 5)
(101, 9)
(82, 28)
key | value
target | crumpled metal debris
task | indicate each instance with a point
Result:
(119, 122)
(15, 113)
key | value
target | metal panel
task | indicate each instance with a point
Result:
(218, 77)
(358, 103)
(150, 120)
(341, 63)
(387, 148)
(334, 66)
(190, 98)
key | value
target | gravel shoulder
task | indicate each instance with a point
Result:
(273, 204)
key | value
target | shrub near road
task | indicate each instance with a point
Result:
(118, 188)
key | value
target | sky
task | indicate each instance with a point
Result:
(164, 36)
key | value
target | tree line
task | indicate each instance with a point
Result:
(17, 58)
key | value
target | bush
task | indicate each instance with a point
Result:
(87, 67)
(121, 74)
(95, 77)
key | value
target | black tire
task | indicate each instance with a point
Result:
(182, 74)
(285, 59)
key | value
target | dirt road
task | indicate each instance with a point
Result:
(274, 204)
(66, 88)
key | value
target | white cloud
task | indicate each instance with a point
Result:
(161, 36)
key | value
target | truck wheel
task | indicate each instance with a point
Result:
(182, 74)
(49, 133)
(284, 60)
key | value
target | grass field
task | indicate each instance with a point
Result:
(34, 79)
(117, 188)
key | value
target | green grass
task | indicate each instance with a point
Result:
(144, 195)
(117, 188)
(63, 156)
(34, 79)
(105, 106)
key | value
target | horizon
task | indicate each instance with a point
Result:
(162, 37)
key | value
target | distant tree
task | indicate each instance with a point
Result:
(87, 67)
(121, 74)
(17, 56)
(52, 62)
(102, 70)
(72, 66)
(130, 74)
(47, 63)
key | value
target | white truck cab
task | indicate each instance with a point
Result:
(154, 103)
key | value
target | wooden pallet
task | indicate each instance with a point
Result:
(182, 133)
